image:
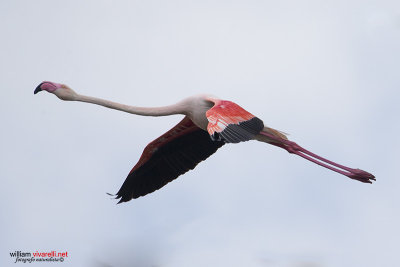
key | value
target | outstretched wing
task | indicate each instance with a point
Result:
(163, 160)
(231, 123)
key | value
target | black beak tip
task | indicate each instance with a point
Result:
(38, 89)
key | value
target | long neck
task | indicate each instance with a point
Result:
(178, 108)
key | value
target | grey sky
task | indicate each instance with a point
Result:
(327, 72)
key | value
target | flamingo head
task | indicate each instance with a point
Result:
(62, 91)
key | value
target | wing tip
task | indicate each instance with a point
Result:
(118, 196)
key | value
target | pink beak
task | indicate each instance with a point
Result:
(48, 86)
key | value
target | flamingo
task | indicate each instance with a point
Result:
(208, 124)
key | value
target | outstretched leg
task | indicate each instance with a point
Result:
(272, 138)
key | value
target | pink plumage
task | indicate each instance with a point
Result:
(224, 113)
(231, 123)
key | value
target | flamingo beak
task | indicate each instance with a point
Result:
(38, 89)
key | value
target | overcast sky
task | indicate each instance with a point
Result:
(326, 72)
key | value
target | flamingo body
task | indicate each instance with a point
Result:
(231, 123)
(185, 145)
(208, 124)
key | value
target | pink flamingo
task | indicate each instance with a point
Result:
(208, 124)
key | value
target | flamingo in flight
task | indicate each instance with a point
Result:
(209, 123)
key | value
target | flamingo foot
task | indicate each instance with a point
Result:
(361, 176)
